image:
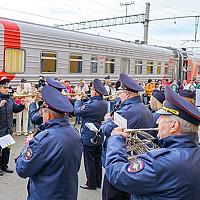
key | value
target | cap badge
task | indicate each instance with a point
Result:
(136, 166)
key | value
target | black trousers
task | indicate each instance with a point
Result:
(4, 157)
(93, 165)
(109, 192)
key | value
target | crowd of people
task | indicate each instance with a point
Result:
(52, 155)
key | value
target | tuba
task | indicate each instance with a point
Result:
(140, 141)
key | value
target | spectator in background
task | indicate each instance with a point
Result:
(107, 85)
(148, 90)
(175, 86)
(81, 87)
(167, 82)
(68, 87)
(156, 103)
(160, 85)
(41, 83)
(22, 117)
(183, 85)
(191, 85)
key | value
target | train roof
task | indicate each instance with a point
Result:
(74, 36)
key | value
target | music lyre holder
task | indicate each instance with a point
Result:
(94, 129)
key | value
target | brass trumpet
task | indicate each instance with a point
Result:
(20, 96)
(111, 97)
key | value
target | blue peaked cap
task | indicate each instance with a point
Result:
(176, 105)
(55, 100)
(4, 81)
(55, 84)
(99, 87)
(129, 84)
(187, 93)
(158, 95)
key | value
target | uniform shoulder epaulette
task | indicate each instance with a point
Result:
(126, 107)
(41, 135)
(158, 152)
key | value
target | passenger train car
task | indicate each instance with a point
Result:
(29, 50)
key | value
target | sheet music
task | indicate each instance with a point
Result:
(92, 127)
(6, 141)
(120, 121)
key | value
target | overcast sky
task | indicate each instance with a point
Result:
(165, 33)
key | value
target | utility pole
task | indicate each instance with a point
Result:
(146, 23)
(127, 4)
(196, 28)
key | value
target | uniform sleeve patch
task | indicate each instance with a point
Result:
(29, 154)
(136, 166)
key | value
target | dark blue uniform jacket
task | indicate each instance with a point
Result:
(136, 113)
(6, 114)
(35, 116)
(169, 173)
(52, 161)
(92, 111)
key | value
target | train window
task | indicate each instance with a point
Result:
(149, 67)
(159, 68)
(48, 62)
(14, 60)
(109, 65)
(76, 63)
(93, 64)
(138, 66)
(166, 68)
(125, 65)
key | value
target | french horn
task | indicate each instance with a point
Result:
(139, 141)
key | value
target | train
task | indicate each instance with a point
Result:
(30, 50)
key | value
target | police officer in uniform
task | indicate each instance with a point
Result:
(52, 158)
(170, 172)
(188, 95)
(156, 101)
(34, 108)
(137, 116)
(7, 108)
(93, 111)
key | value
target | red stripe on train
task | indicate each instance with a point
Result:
(11, 40)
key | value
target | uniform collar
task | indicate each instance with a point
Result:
(97, 97)
(136, 99)
(4, 95)
(57, 122)
(184, 141)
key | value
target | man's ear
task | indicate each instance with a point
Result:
(175, 126)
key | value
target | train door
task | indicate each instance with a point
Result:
(10, 39)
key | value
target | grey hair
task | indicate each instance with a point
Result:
(56, 114)
(185, 126)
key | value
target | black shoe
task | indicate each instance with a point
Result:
(99, 187)
(7, 170)
(1, 172)
(87, 187)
